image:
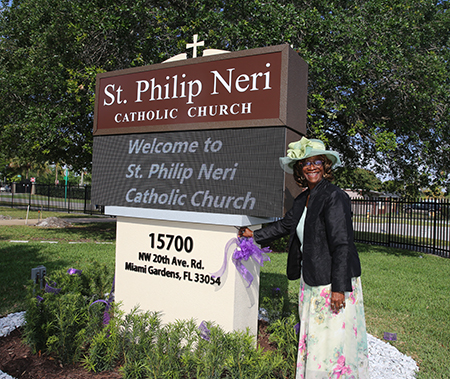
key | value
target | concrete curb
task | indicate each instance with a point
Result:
(75, 220)
(18, 222)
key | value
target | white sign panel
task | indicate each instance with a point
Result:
(167, 267)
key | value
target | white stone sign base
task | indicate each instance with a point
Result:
(167, 266)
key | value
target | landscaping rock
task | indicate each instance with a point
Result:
(53, 222)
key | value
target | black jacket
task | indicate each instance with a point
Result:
(329, 254)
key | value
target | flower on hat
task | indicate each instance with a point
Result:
(299, 149)
(306, 148)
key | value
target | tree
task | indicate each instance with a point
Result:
(357, 179)
(51, 173)
(378, 71)
(42, 119)
(380, 85)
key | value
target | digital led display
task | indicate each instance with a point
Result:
(232, 171)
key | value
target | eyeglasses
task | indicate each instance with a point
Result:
(317, 163)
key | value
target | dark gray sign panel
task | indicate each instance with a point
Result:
(229, 171)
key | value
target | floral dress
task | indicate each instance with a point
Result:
(332, 344)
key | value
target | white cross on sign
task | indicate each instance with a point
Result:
(194, 45)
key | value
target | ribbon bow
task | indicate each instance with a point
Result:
(52, 288)
(299, 149)
(205, 333)
(73, 271)
(244, 250)
(109, 302)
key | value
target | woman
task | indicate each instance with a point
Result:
(333, 339)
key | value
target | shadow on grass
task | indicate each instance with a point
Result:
(369, 248)
(16, 262)
(95, 231)
(88, 232)
(275, 286)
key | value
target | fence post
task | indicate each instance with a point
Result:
(435, 213)
(68, 197)
(85, 198)
(29, 197)
(13, 189)
(390, 222)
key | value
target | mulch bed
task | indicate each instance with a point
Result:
(17, 360)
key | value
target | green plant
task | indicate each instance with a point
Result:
(103, 352)
(175, 340)
(245, 361)
(67, 328)
(275, 305)
(285, 334)
(106, 348)
(139, 333)
(60, 319)
(145, 348)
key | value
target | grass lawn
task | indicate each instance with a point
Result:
(16, 213)
(404, 292)
(408, 293)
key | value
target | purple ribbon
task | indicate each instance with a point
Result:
(245, 249)
(106, 315)
(73, 271)
(276, 292)
(205, 333)
(219, 273)
(390, 336)
(51, 289)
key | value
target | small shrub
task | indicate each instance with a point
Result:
(106, 347)
(279, 245)
(59, 319)
(244, 361)
(67, 321)
(139, 332)
(275, 305)
(179, 350)
(285, 334)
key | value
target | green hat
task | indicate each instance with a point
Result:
(306, 148)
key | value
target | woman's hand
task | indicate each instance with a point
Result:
(337, 301)
(245, 232)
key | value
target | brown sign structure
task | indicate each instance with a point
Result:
(249, 88)
(200, 135)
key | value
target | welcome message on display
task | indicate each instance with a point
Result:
(215, 171)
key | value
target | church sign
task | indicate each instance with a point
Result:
(248, 88)
(184, 152)
(199, 135)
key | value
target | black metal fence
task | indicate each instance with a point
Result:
(413, 225)
(60, 198)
